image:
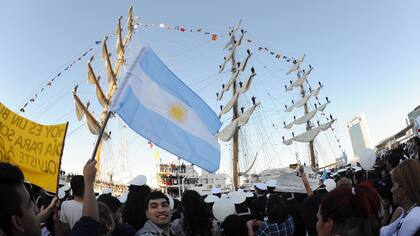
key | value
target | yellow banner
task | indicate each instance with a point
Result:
(35, 148)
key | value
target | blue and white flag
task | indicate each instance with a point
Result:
(344, 157)
(161, 108)
(324, 175)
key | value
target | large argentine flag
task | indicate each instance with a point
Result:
(161, 108)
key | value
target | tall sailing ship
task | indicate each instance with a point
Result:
(243, 162)
(246, 134)
(94, 124)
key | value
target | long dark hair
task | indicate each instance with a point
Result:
(196, 219)
(276, 209)
(133, 212)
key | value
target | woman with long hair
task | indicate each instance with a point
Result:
(134, 212)
(406, 195)
(344, 205)
(196, 219)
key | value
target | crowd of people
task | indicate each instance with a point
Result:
(384, 201)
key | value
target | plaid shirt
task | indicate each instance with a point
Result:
(287, 228)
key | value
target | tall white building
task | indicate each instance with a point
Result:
(359, 134)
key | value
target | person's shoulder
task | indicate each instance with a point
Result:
(148, 233)
(416, 211)
(124, 229)
(85, 226)
(65, 203)
(69, 203)
(413, 217)
(176, 227)
(147, 229)
(176, 222)
(265, 225)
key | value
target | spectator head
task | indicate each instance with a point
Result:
(17, 210)
(384, 173)
(276, 209)
(344, 182)
(344, 203)
(113, 204)
(106, 222)
(405, 186)
(234, 225)
(77, 185)
(196, 216)
(133, 212)
(260, 188)
(393, 158)
(157, 209)
(355, 227)
(359, 177)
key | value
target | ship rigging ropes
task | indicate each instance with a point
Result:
(192, 58)
(56, 103)
(264, 131)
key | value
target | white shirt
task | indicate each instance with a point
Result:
(407, 225)
(71, 212)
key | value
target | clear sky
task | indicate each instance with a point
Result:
(364, 52)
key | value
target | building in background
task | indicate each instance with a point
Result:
(412, 129)
(359, 134)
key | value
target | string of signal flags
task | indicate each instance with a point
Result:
(214, 37)
(180, 28)
(51, 81)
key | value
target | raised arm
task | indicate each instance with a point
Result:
(90, 206)
(305, 181)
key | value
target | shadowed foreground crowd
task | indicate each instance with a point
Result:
(386, 202)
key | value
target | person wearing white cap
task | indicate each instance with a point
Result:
(258, 205)
(107, 191)
(217, 192)
(134, 212)
(241, 209)
(271, 185)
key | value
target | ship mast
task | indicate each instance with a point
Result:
(312, 131)
(308, 127)
(235, 149)
(96, 126)
(230, 131)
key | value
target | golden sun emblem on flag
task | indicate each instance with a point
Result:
(177, 112)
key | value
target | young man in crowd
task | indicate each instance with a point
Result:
(18, 213)
(71, 210)
(159, 214)
(20, 216)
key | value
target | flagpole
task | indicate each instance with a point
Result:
(101, 133)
